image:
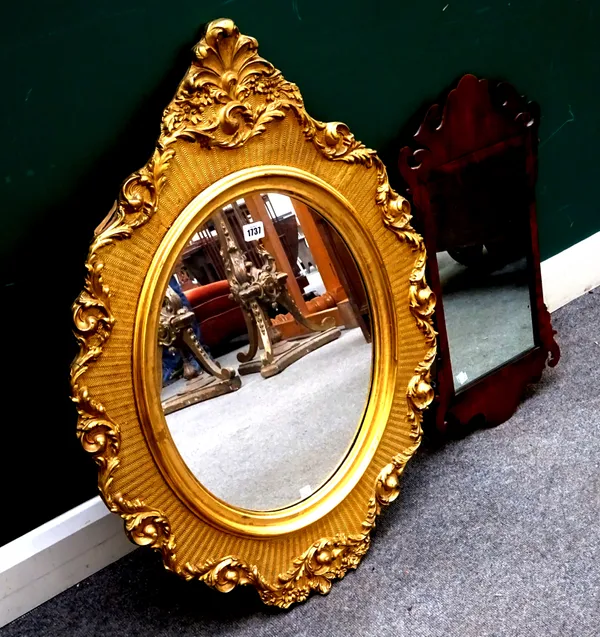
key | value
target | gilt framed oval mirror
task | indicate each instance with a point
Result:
(255, 336)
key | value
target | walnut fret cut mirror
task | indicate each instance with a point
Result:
(470, 171)
(255, 336)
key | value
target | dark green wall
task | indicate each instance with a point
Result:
(83, 86)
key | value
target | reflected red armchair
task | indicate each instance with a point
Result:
(220, 317)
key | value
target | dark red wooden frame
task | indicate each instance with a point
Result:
(478, 117)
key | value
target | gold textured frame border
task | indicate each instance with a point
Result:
(235, 122)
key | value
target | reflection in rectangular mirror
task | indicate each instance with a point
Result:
(266, 352)
(487, 311)
(480, 205)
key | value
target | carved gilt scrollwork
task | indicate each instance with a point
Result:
(229, 95)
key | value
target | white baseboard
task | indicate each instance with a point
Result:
(571, 273)
(59, 554)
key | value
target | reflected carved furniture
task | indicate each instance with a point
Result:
(220, 318)
(349, 276)
(176, 330)
(257, 290)
(202, 259)
(330, 305)
(470, 171)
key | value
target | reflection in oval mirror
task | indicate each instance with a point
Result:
(265, 336)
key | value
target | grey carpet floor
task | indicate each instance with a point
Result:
(496, 534)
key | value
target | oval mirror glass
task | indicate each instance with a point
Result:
(265, 339)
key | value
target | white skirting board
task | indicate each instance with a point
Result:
(571, 273)
(59, 554)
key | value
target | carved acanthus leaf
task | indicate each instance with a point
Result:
(215, 104)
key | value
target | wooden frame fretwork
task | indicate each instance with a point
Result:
(480, 121)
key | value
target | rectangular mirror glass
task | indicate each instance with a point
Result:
(483, 239)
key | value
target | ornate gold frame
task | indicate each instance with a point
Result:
(237, 126)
